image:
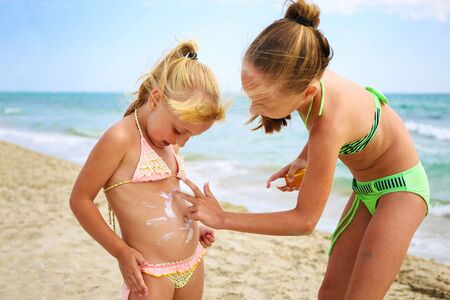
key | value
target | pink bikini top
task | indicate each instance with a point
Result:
(151, 167)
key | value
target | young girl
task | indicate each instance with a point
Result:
(135, 164)
(283, 72)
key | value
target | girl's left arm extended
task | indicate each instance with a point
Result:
(323, 149)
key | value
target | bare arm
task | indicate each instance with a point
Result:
(100, 165)
(323, 153)
(304, 154)
(290, 170)
(103, 160)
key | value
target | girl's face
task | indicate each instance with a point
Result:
(267, 99)
(165, 128)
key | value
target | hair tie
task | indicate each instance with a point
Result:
(303, 21)
(192, 55)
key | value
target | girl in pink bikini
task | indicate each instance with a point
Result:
(137, 167)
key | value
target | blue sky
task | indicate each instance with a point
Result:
(396, 45)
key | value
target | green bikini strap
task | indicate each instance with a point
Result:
(378, 94)
(348, 218)
(321, 104)
(322, 99)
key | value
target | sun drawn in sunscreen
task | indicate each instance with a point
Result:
(156, 221)
(168, 205)
(187, 226)
(165, 237)
(148, 205)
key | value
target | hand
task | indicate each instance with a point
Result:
(290, 171)
(205, 208)
(129, 263)
(206, 236)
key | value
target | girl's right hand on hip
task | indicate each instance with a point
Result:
(289, 172)
(129, 263)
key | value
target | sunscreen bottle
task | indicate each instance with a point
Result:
(283, 182)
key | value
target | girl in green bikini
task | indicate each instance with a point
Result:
(283, 72)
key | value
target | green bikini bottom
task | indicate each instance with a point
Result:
(413, 180)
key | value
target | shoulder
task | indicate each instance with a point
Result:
(336, 122)
(329, 131)
(121, 135)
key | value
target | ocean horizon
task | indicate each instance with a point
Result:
(236, 160)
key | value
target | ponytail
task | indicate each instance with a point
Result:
(189, 87)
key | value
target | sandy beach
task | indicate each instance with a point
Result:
(45, 254)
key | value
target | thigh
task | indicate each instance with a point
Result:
(385, 243)
(193, 290)
(342, 258)
(158, 288)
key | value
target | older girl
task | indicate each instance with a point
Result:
(284, 72)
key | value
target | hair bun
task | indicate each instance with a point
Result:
(187, 49)
(304, 13)
(192, 55)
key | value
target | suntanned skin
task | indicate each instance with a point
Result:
(138, 206)
(368, 254)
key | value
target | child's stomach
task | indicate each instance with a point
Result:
(154, 222)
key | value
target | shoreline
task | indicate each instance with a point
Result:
(47, 254)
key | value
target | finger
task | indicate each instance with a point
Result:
(272, 178)
(135, 283)
(291, 173)
(140, 259)
(142, 288)
(191, 209)
(206, 241)
(207, 190)
(193, 216)
(186, 197)
(275, 176)
(131, 283)
(193, 187)
(279, 174)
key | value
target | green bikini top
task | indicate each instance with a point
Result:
(360, 144)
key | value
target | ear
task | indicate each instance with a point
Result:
(310, 91)
(154, 98)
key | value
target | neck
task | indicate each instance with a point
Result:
(143, 119)
(304, 108)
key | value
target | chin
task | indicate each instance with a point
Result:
(161, 144)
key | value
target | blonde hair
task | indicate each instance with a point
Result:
(189, 87)
(291, 54)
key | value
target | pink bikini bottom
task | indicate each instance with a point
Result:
(179, 272)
